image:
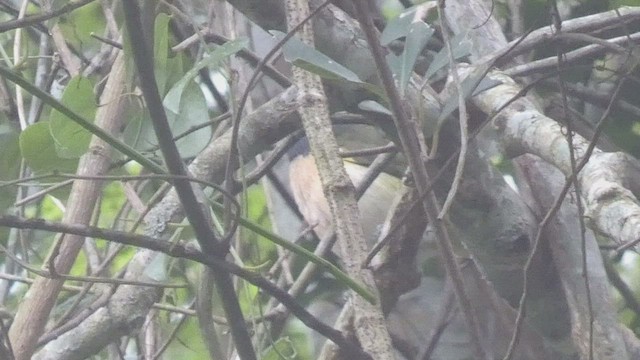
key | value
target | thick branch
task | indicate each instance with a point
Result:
(265, 125)
(564, 238)
(34, 311)
(412, 149)
(611, 207)
(369, 321)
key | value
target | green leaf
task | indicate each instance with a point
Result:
(312, 60)
(123, 258)
(374, 106)
(402, 66)
(49, 209)
(9, 163)
(139, 133)
(108, 138)
(78, 25)
(249, 296)
(461, 47)
(113, 199)
(260, 251)
(71, 139)
(39, 150)
(398, 27)
(616, 4)
(188, 344)
(171, 102)
(161, 50)
(193, 111)
(175, 69)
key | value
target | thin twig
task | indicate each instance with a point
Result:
(232, 158)
(552, 211)
(190, 253)
(389, 148)
(411, 146)
(462, 116)
(199, 219)
(557, 23)
(38, 18)
(93, 279)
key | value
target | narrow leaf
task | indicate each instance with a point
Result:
(374, 106)
(419, 35)
(161, 50)
(461, 46)
(398, 27)
(310, 59)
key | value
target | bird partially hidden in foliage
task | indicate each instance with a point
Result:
(307, 192)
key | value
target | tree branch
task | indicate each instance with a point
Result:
(410, 143)
(34, 311)
(190, 253)
(194, 210)
(338, 189)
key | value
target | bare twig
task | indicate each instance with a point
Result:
(194, 209)
(35, 309)
(189, 252)
(37, 18)
(462, 116)
(410, 144)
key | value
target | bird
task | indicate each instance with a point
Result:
(307, 193)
